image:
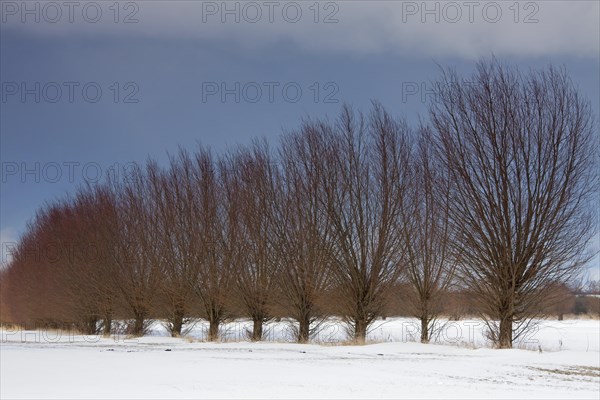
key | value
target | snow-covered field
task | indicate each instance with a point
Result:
(64, 365)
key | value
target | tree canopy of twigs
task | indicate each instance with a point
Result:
(521, 153)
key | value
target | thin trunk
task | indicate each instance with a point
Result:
(424, 329)
(138, 325)
(213, 330)
(90, 326)
(257, 329)
(360, 330)
(505, 334)
(304, 329)
(106, 325)
(215, 318)
(177, 323)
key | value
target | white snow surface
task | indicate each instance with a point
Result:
(459, 364)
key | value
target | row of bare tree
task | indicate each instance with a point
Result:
(492, 196)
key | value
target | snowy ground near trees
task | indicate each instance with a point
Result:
(36, 364)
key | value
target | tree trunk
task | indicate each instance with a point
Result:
(360, 330)
(257, 329)
(106, 325)
(138, 325)
(90, 326)
(505, 334)
(215, 317)
(213, 330)
(177, 324)
(304, 329)
(424, 329)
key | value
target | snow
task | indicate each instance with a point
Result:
(64, 365)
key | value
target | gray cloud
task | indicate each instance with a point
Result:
(467, 29)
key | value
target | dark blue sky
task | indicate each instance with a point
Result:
(156, 77)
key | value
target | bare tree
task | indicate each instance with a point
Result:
(55, 279)
(519, 150)
(136, 255)
(254, 180)
(365, 187)
(97, 223)
(303, 242)
(69, 268)
(33, 278)
(215, 216)
(425, 226)
(178, 252)
(87, 253)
